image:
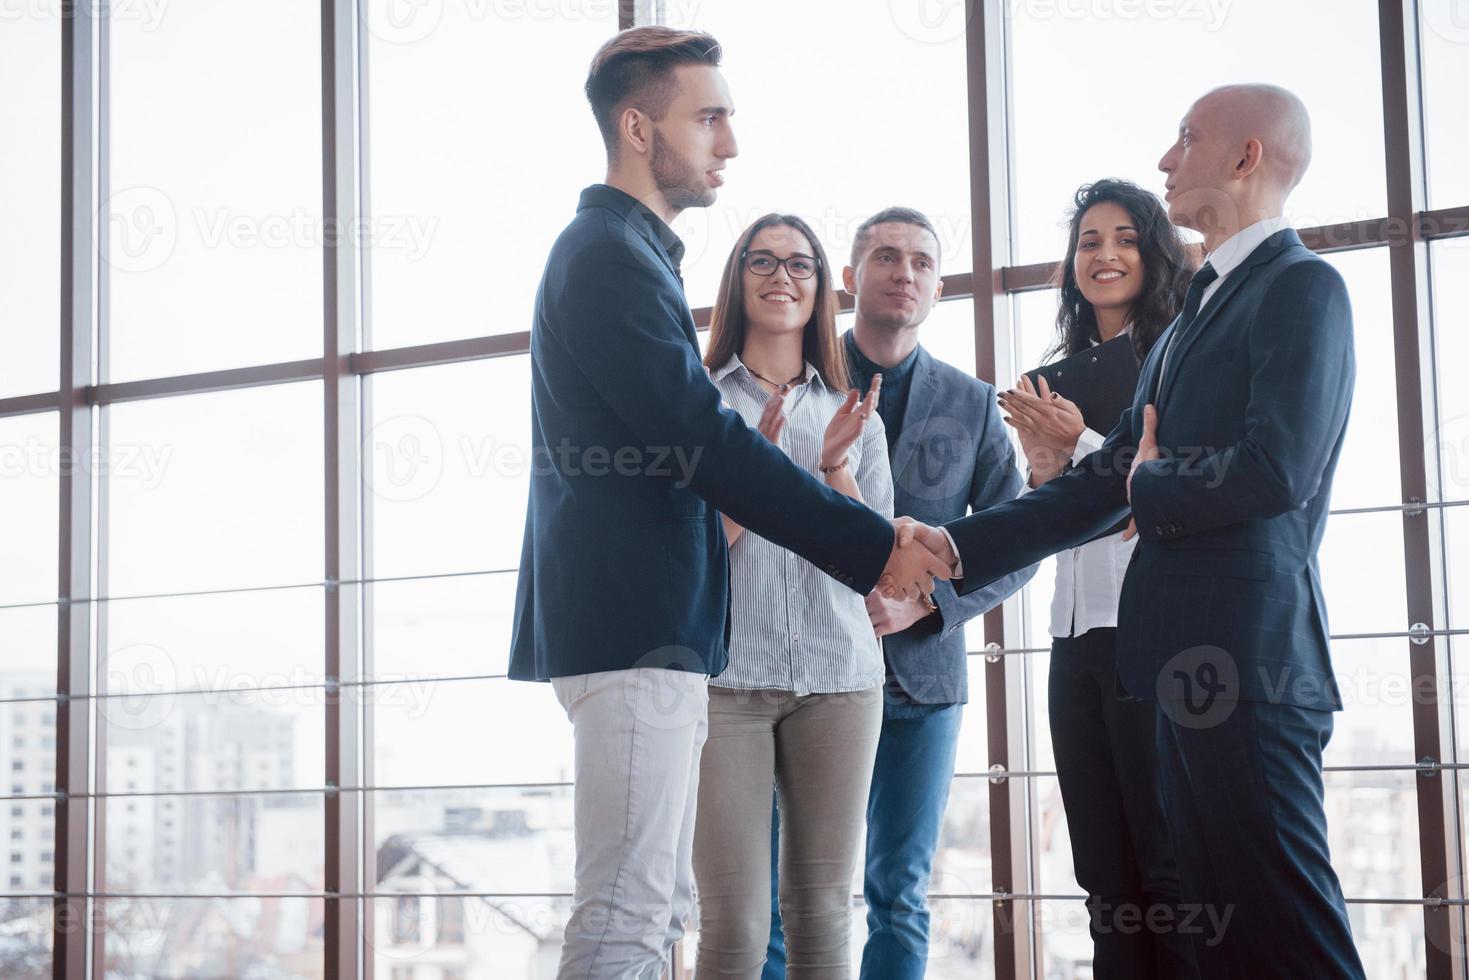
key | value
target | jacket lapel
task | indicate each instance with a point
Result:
(1263, 253)
(922, 395)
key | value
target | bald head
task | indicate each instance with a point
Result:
(1268, 113)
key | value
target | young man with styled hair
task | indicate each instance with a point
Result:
(623, 597)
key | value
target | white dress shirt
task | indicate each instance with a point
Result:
(793, 627)
(1230, 254)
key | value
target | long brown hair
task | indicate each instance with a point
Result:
(819, 343)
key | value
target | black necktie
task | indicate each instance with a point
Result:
(1201, 281)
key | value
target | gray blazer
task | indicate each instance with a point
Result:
(952, 455)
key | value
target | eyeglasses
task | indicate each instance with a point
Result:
(764, 264)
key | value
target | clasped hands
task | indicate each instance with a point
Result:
(920, 555)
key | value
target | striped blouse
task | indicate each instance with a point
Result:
(794, 627)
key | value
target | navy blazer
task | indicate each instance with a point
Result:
(624, 562)
(1251, 421)
(952, 454)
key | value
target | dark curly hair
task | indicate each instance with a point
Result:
(1167, 269)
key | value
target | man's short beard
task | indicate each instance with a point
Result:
(675, 177)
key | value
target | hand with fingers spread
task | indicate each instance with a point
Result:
(847, 424)
(1048, 424)
(1147, 449)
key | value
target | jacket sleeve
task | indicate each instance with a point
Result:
(619, 322)
(996, 480)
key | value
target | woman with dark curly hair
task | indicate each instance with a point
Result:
(1126, 272)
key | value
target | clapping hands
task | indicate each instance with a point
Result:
(1048, 425)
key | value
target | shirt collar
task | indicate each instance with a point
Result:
(735, 364)
(1233, 251)
(897, 373)
(1126, 329)
(630, 209)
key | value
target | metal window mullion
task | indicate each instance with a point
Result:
(989, 216)
(1408, 259)
(344, 947)
(71, 853)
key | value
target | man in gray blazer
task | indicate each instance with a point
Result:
(950, 453)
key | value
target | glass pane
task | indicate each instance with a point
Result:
(1367, 473)
(449, 467)
(466, 177)
(1389, 938)
(1449, 261)
(216, 491)
(960, 939)
(962, 864)
(30, 199)
(27, 831)
(214, 642)
(474, 840)
(26, 954)
(1358, 603)
(1063, 940)
(1049, 836)
(214, 224)
(219, 741)
(459, 938)
(442, 627)
(1372, 824)
(1445, 79)
(1062, 138)
(910, 72)
(214, 938)
(30, 485)
(214, 844)
(430, 733)
(973, 752)
(28, 651)
(28, 751)
(1375, 727)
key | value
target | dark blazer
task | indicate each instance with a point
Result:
(624, 562)
(951, 455)
(1251, 422)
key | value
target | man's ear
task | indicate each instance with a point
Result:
(938, 291)
(849, 279)
(1250, 162)
(636, 129)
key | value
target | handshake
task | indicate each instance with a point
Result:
(920, 554)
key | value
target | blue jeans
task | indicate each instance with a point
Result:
(905, 812)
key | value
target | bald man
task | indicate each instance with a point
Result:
(1225, 460)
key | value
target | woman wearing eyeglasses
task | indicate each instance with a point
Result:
(800, 703)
